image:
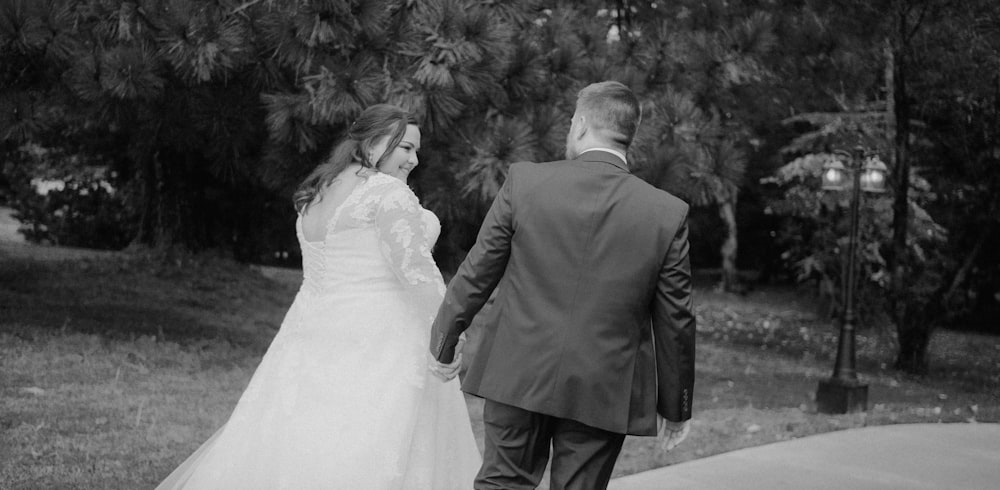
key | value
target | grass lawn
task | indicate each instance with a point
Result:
(114, 368)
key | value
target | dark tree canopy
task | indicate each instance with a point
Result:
(208, 113)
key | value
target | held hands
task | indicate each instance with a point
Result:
(447, 372)
(671, 434)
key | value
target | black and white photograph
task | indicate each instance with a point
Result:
(499, 244)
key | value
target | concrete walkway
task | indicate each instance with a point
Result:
(911, 457)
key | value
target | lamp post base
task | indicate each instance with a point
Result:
(841, 396)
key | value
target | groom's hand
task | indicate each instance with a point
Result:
(447, 372)
(671, 433)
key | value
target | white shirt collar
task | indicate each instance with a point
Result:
(609, 150)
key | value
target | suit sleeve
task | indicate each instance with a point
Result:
(477, 277)
(674, 331)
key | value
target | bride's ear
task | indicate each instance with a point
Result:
(365, 153)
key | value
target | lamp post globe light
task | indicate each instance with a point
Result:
(844, 392)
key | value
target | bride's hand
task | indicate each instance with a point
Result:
(447, 372)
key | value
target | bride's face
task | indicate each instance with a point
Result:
(403, 158)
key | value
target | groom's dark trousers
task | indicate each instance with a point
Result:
(591, 333)
(517, 451)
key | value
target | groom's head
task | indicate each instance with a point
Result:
(607, 115)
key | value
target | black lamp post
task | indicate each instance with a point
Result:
(843, 392)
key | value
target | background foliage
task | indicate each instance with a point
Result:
(205, 114)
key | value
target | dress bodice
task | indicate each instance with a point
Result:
(379, 237)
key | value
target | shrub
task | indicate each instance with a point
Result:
(814, 236)
(62, 200)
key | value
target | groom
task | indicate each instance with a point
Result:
(591, 335)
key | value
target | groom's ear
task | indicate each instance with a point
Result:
(581, 128)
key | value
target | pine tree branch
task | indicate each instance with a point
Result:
(970, 260)
(245, 6)
(919, 22)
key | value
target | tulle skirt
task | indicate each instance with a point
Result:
(342, 399)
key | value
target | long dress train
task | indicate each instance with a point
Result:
(343, 398)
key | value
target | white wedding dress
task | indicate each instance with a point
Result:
(343, 398)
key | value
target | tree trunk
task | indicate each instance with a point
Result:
(919, 318)
(146, 235)
(150, 177)
(901, 174)
(914, 334)
(158, 223)
(730, 279)
(912, 337)
(164, 237)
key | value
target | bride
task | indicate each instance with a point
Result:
(343, 398)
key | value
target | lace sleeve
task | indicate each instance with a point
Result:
(406, 240)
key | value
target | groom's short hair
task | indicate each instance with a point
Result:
(612, 110)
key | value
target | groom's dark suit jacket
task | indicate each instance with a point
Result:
(592, 320)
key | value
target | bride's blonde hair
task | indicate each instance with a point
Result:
(375, 123)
